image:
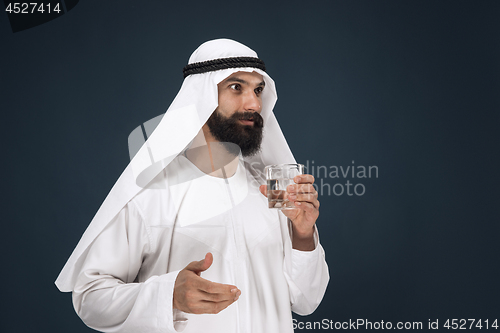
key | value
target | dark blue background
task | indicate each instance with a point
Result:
(409, 86)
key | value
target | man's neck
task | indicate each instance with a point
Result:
(211, 156)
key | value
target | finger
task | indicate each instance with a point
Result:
(263, 190)
(202, 265)
(306, 206)
(210, 307)
(301, 188)
(309, 197)
(215, 288)
(219, 297)
(304, 179)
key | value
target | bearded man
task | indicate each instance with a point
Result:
(191, 193)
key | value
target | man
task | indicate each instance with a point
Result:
(190, 194)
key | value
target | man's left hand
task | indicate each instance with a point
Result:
(305, 199)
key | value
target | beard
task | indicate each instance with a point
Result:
(228, 129)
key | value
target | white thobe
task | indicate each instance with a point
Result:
(128, 273)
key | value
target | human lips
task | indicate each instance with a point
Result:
(250, 120)
(246, 122)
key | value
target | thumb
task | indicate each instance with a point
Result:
(263, 190)
(202, 265)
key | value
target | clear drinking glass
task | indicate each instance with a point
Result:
(278, 177)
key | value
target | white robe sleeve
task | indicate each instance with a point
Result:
(307, 276)
(107, 296)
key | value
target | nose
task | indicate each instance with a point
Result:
(252, 102)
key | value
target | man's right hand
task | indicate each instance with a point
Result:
(194, 294)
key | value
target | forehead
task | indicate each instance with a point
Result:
(250, 77)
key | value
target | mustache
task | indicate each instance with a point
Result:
(254, 116)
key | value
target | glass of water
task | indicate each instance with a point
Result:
(278, 177)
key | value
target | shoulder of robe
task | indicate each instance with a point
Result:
(154, 200)
(148, 200)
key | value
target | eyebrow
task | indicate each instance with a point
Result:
(236, 79)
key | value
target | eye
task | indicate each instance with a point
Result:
(258, 90)
(235, 86)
